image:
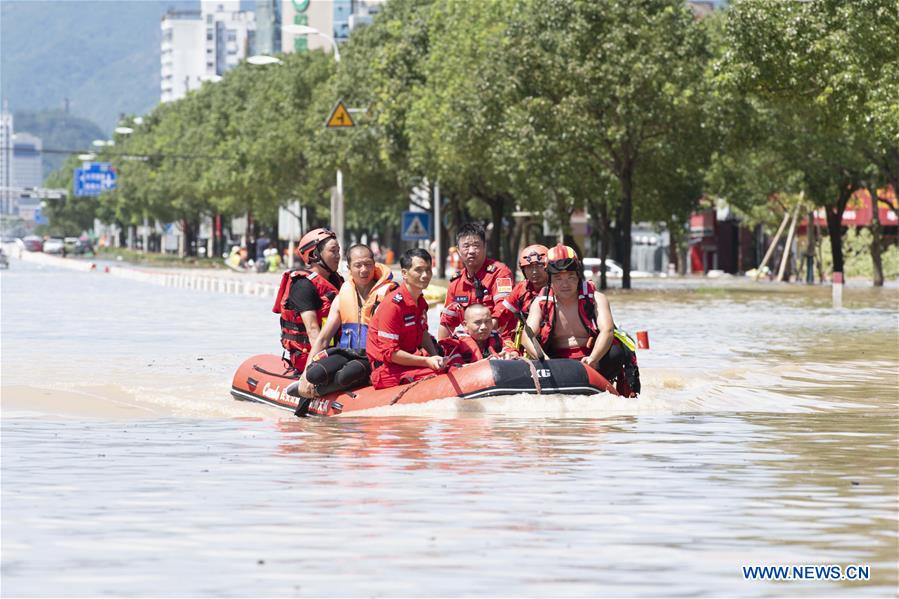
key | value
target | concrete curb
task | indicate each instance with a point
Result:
(180, 280)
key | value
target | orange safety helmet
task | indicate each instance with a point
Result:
(531, 254)
(307, 250)
(561, 258)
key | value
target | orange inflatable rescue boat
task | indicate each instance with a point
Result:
(266, 378)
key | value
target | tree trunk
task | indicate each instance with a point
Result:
(497, 204)
(627, 207)
(835, 226)
(876, 235)
(603, 247)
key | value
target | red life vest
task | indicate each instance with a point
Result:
(294, 337)
(464, 348)
(586, 307)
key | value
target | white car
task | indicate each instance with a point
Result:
(592, 268)
(53, 245)
(613, 269)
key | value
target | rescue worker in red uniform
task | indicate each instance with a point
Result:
(573, 320)
(399, 346)
(346, 366)
(305, 295)
(481, 280)
(532, 261)
(478, 341)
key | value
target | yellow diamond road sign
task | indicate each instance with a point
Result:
(340, 117)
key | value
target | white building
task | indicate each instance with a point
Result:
(201, 46)
(182, 54)
(6, 133)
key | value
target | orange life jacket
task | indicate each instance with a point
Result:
(356, 313)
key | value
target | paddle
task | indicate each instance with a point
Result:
(541, 355)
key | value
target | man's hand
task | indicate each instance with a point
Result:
(508, 354)
(435, 362)
(305, 388)
(589, 361)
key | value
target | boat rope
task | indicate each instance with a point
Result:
(291, 373)
(535, 376)
(414, 384)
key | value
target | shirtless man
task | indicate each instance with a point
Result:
(573, 320)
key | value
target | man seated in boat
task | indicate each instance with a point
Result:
(481, 280)
(478, 341)
(516, 306)
(305, 295)
(346, 366)
(398, 345)
(573, 320)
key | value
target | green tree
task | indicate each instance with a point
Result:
(817, 65)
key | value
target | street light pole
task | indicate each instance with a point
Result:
(338, 221)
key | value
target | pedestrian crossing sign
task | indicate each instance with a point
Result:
(416, 226)
(340, 117)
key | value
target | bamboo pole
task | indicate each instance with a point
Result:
(789, 245)
(771, 247)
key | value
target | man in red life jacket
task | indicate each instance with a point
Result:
(573, 320)
(478, 341)
(399, 346)
(532, 261)
(304, 297)
(481, 280)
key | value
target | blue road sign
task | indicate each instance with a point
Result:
(94, 180)
(416, 226)
(40, 219)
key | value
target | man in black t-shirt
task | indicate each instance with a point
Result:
(305, 296)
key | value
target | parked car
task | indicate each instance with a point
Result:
(54, 245)
(33, 243)
(70, 243)
(592, 268)
(613, 269)
(83, 246)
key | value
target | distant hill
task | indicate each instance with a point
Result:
(58, 131)
(102, 56)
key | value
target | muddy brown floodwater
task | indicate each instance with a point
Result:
(766, 435)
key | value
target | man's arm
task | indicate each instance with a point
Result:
(327, 333)
(533, 321)
(310, 321)
(404, 358)
(606, 326)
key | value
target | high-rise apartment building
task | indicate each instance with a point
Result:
(182, 53)
(27, 164)
(202, 46)
(268, 26)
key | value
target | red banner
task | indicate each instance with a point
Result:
(858, 212)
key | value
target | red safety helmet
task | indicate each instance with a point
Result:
(561, 258)
(307, 250)
(531, 254)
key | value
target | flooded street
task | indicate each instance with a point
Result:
(766, 435)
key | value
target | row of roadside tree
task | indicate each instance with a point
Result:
(630, 109)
